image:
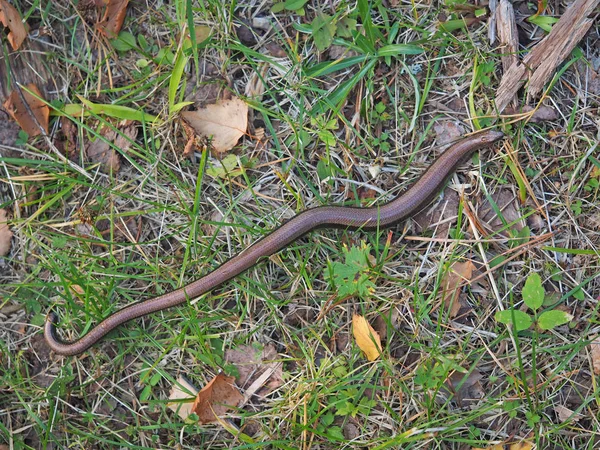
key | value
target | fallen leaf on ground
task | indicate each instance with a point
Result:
(493, 447)
(114, 15)
(366, 337)
(507, 202)
(452, 284)
(224, 122)
(20, 113)
(540, 115)
(466, 389)
(524, 445)
(216, 398)
(252, 363)
(595, 355)
(182, 396)
(5, 234)
(11, 19)
(102, 150)
(565, 414)
(448, 131)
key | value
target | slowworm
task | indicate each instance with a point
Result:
(377, 217)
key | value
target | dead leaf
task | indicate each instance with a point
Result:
(20, 113)
(465, 389)
(493, 447)
(5, 234)
(101, 151)
(542, 114)
(182, 396)
(441, 217)
(252, 363)
(202, 33)
(114, 15)
(507, 202)
(448, 131)
(565, 414)
(452, 284)
(594, 353)
(224, 122)
(366, 337)
(216, 398)
(523, 445)
(11, 19)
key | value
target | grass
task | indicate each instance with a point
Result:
(89, 242)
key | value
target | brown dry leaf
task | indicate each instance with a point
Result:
(225, 122)
(5, 234)
(182, 396)
(565, 414)
(366, 337)
(11, 19)
(452, 283)
(507, 202)
(218, 396)
(101, 151)
(114, 15)
(20, 113)
(493, 447)
(252, 363)
(524, 445)
(466, 389)
(595, 355)
(448, 131)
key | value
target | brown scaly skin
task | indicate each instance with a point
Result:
(377, 217)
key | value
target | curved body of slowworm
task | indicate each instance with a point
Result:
(388, 214)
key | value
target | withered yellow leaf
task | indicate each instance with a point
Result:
(366, 337)
(523, 445)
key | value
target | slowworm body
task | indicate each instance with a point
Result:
(377, 217)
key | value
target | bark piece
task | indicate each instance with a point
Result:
(508, 37)
(543, 59)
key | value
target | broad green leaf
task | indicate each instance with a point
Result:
(278, 7)
(345, 27)
(323, 30)
(521, 322)
(544, 22)
(294, 5)
(533, 291)
(335, 433)
(229, 166)
(551, 319)
(124, 42)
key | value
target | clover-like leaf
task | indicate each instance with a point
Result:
(519, 319)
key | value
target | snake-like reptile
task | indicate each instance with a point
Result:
(376, 217)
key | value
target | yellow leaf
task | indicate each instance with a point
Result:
(366, 337)
(524, 445)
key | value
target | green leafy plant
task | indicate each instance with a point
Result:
(533, 296)
(323, 125)
(353, 276)
(296, 6)
(382, 142)
(325, 27)
(544, 22)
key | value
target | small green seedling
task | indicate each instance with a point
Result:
(533, 296)
(353, 276)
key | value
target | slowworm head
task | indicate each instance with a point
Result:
(493, 136)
